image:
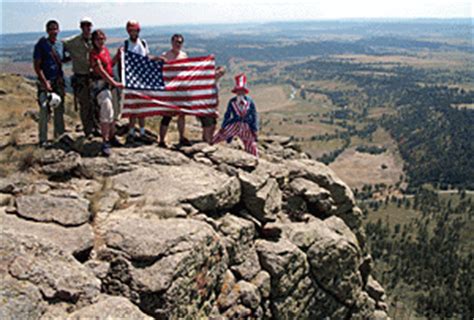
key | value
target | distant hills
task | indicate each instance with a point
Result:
(299, 53)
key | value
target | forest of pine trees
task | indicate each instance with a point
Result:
(429, 254)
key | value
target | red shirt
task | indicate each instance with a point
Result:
(104, 58)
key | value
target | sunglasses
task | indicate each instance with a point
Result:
(178, 42)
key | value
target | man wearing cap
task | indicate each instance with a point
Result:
(48, 56)
(79, 48)
(139, 46)
(240, 119)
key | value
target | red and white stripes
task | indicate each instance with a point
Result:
(242, 130)
(190, 88)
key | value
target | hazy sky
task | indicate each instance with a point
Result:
(24, 16)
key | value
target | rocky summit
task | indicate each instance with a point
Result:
(200, 232)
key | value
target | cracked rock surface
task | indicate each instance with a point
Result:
(201, 232)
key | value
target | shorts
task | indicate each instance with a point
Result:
(165, 121)
(104, 99)
(207, 121)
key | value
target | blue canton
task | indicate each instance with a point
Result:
(141, 73)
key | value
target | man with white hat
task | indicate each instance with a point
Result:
(48, 56)
(79, 48)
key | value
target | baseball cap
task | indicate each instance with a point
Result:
(86, 20)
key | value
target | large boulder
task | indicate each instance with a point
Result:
(261, 195)
(201, 186)
(66, 210)
(19, 299)
(334, 261)
(74, 240)
(170, 267)
(285, 263)
(110, 308)
(238, 236)
(56, 275)
(333, 254)
(307, 196)
(322, 175)
(294, 293)
(249, 268)
(128, 159)
(274, 170)
(55, 163)
(234, 158)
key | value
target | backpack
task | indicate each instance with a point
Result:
(125, 44)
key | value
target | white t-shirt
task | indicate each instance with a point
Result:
(138, 47)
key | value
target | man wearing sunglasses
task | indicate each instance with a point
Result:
(175, 53)
(79, 48)
(48, 56)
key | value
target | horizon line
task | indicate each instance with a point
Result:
(266, 22)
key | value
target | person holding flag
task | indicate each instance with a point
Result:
(102, 67)
(240, 119)
(175, 87)
(175, 53)
(139, 46)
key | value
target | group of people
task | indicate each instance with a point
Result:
(96, 96)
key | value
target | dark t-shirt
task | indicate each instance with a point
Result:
(50, 63)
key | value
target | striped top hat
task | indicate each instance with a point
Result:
(240, 83)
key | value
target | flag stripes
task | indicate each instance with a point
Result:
(184, 86)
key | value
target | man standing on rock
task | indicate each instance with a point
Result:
(47, 62)
(139, 46)
(175, 53)
(79, 48)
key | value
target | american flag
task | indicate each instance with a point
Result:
(185, 86)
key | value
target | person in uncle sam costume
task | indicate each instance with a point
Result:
(240, 119)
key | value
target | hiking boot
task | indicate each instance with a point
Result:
(163, 145)
(96, 133)
(45, 145)
(106, 152)
(184, 142)
(130, 140)
(115, 143)
(146, 139)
